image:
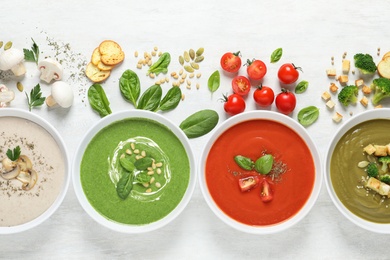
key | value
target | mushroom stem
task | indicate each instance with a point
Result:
(7, 96)
(50, 101)
(19, 69)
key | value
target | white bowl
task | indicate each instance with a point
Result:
(383, 113)
(132, 228)
(22, 114)
(292, 125)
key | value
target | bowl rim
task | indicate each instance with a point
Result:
(382, 113)
(23, 114)
(294, 126)
(99, 125)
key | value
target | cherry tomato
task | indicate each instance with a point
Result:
(288, 73)
(266, 191)
(256, 69)
(248, 183)
(285, 101)
(234, 104)
(241, 85)
(264, 96)
(231, 62)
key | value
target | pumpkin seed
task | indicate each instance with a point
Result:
(181, 60)
(19, 86)
(199, 59)
(194, 65)
(7, 46)
(192, 54)
(1, 44)
(189, 68)
(186, 56)
(199, 52)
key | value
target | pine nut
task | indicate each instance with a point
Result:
(136, 151)
(136, 54)
(158, 185)
(150, 172)
(152, 180)
(158, 170)
(159, 164)
(128, 151)
(148, 190)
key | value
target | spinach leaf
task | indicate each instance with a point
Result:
(143, 163)
(142, 177)
(276, 55)
(130, 86)
(214, 81)
(171, 100)
(127, 164)
(125, 185)
(308, 115)
(199, 123)
(301, 87)
(98, 100)
(150, 99)
(161, 65)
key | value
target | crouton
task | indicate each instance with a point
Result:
(359, 83)
(378, 186)
(333, 88)
(343, 79)
(330, 104)
(346, 65)
(337, 117)
(369, 149)
(366, 90)
(364, 101)
(326, 96)
(331, 72)
(380, 150)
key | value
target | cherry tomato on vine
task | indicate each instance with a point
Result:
(256, 69)
(285, 101)
(264, 96)
(231, 62)
(241, 85)
(234, 104)
(288, 73)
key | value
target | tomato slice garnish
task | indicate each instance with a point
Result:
(248, 183)
(266, 191)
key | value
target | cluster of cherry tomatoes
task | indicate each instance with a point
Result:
(264, 96)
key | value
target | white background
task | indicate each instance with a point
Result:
(310, 33)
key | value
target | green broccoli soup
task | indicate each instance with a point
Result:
(360, 172)
(135, 171)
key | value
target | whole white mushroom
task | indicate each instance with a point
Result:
(13, 59)
(61, 95)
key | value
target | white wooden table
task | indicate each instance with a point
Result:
(310, 33)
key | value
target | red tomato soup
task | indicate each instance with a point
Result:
(251, 139)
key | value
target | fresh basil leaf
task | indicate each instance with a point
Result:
(161, 65)
(301, 87)
(308, 115)
(244, 162)
(276, 55)
(199, 123)
(171, 100)
(125, 185)
(98, 100)
(130, 86)
(214, 81)
(263, 165)
(150, 99)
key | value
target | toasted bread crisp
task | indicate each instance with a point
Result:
(95, 74)
(95, 58)
(111, 53)
(384, 67)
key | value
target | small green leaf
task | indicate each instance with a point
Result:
(244, 162)
(125, 185)
(35, 99)
(308, 115)
(214, 81)
(126, 164)
(143, 163)
(98, 100)
(14, 154)
(142, 177)
(33, 54)
(199, 123)
(301, 87)
(130, 86)
(161, 65)
(150, 99)
(263, 165)
(171, 100)
(276, 55)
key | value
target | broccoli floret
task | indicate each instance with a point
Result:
(372, 170)
(385, 178)
(381, 87)
(385, 160)
(365, 63)
(348, 95)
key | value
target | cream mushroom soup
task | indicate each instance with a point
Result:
(31, 193)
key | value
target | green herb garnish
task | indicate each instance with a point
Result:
(214, 81)
(14, 154)
(33, 54)
(308, 115)
(35, 99)
(161, 65)
(276, 55)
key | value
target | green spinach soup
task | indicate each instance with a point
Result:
(135, 171)
(350, 180)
